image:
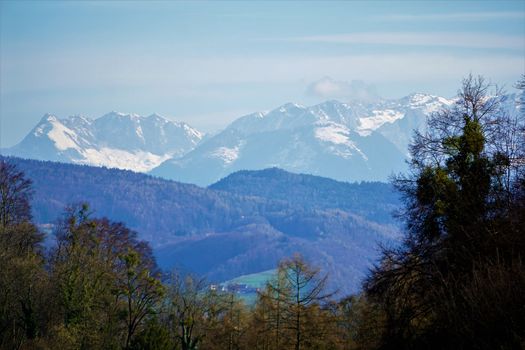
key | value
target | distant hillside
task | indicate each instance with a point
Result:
(373, 200)
(254, 220)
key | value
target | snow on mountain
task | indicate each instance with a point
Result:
(377, 119)
(397, 119)
(117, 140)
(345, 141)
(349, 142)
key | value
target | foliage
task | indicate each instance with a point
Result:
(290, 308)
(231, 231)
(21, 261)
(106, 279)
(458, 279)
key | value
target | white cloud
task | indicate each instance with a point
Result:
(328, 88)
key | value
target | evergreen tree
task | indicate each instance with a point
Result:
(460, 236)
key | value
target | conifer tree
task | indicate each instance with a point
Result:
(458, 198)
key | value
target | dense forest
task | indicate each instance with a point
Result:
(374, 201)
(144, 201)
(456, 282)
(227, 231)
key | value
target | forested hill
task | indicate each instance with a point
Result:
(373, 200)
(254, 220)
(156, 208)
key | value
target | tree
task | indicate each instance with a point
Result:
(192, 309)
(459, 196)
(15, 194)
(154, 336)
(106, 281)
(360, 322)
(296, 290)
(21, 260)
(140, 287)
(271, 304)
(228, 328)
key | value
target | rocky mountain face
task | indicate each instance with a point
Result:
(116, 140)
(333, 139)
(347, 142)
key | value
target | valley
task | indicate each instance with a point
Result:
(243, 224)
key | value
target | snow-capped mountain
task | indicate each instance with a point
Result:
(348, 142)
(333, 139)
(117, 140)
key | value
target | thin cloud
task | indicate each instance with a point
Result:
(440, 39)
(328, 88)
(187, 77)
(461, 16)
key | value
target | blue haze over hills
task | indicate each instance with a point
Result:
(243, 224)
(256, 214)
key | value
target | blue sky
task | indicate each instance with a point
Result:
(208, 63)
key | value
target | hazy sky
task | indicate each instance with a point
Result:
(208, 63)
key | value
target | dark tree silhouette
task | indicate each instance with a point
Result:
(21, 260)
(15, 194)
(459, 271)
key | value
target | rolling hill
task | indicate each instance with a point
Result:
(244, 224)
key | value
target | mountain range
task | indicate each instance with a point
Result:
(243, 224)
(117, 140)
(358, 141)
(348, 142)
(344, 141)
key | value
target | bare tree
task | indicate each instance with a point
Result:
(140, 288)
(296, 288)
(21, 259)
(192, 307)
(273, 300)
(15, 194)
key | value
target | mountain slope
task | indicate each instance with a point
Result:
(347, 142)
(125, 141)
(374, 201)
(333, 139)
(223, 234)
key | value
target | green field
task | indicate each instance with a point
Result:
(253, 280)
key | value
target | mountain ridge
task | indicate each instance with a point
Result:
(119, 140)
(344, 141)
(349, 142)
(246, 232)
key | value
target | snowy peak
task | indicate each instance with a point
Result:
(120, 140)
(52, 128)
(292, 115)
(291, 108)
(427, 103)
(336, 112)
(48, 117)
(411, 110)
(159, 119)
(346, 141)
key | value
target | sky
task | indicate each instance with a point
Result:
(208, 63)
